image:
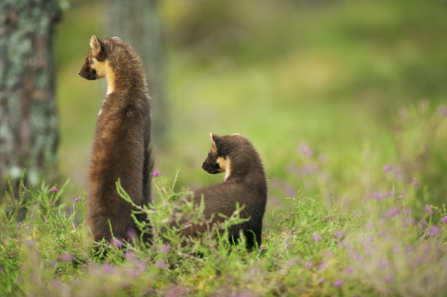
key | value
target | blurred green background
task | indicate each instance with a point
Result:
(328, 91)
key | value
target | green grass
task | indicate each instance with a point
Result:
(307, 250)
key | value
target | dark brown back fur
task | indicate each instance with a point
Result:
(121, 143)
(245, 183)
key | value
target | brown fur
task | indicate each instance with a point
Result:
(121, 144)
(245, 182)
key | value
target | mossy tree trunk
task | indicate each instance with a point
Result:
(137, 23)
(28, 115)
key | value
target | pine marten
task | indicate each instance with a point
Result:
(121, 143)
(245, 182)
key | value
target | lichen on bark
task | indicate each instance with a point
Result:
(28, 111)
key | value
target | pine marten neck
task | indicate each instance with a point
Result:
(131, 73)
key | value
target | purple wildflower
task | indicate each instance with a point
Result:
(54, 189)
(391, 213)
(67, 257)
(109, 268)
(427, 208)
(116, 242)
(384, 264)
(76, 200)
(388, 167)
(339, 233)
(305, 150)
(308, 265)
(321, 265)
(56, 283)
(18, 226)
(131, 233)
(400, 197)
(290, 191)
(80, 198)
(411, 221)
(434, 231)
(442, 111)
(132, 273)
(164, 249)
(175, 291)
(308, 168)
(444, 220)
(130, 256)
(140, 265)
(415, 182)
(380, 196)
(156, 173)
(408, 248)
(389, 279)
(349, 270)
(160, 264)
(338, 283)
(316, 237)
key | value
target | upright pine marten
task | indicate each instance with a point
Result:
(245, 182)
(121, 144)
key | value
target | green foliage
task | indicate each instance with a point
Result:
(307, 249)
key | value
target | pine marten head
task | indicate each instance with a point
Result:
(229, 154)
(97, 63)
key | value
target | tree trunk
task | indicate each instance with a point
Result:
(137, 23)
(28, 115)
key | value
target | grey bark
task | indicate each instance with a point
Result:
(28, 115)
(137, 23)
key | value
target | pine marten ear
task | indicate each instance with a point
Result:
(213, 143)
(95, 45)
(116, 38)
(236, 134)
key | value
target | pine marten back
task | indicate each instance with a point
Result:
(121, 143)
(245, 182)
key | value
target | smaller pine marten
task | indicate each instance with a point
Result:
(245, 182)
